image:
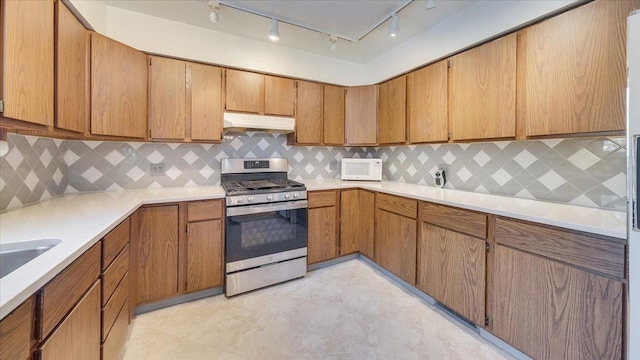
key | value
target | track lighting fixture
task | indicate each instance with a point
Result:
(274, 34)
(214, 11)
(395, 26)
(332, 42)
(431, 4)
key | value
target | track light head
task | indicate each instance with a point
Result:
(395, 25)
(332, 42)
(274, 34)
(431, 4)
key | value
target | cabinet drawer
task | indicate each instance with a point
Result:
(62, 293)
(114, 242)
(397, 205)
(321, 198)
(78, 336)
(112, 308)
(464, 221)
(114, 274)
(115, 341)
(204, 210)
(17, 331)
(591, 252)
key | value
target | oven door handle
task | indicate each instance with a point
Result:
(258, 209)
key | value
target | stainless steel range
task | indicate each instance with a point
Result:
(266, 224)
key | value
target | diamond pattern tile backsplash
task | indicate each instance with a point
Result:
(588, 172)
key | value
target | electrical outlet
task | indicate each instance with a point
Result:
(333, 165)
(157, 169)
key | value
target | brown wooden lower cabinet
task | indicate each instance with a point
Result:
(451, 269)
(356, 222)
(549, 310)
(154, 253)
(322, 226)
(113, 344)
(395, 244)
(205, 260)
(17, 331)
(78, 336)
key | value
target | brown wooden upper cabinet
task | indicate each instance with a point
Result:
(392, 112)
(27, 50)
(260, 94)
(572, 71)
(361, 115)
(334, 109)
(185, 100)
(118, 89)
(309, 113)
(167, 98)
(482, 91)
(427, 114)
(72, 46)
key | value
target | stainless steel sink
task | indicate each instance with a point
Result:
(13, 255)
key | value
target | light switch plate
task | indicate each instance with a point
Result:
(157, 169)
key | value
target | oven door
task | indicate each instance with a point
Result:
(260, 230)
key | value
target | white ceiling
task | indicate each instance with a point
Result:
(347, 18)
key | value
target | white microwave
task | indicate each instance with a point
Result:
(361, 169)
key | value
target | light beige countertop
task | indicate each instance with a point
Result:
(81, 220)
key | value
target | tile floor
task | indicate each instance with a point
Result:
(346, 311)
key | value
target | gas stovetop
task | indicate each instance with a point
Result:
(261, 186)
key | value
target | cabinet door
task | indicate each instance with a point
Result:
(552, 311)
(395, 244)
(361, 115)
(244, 91)
(78, 335)
(17, 331)
(349, 222)
(167, 99)
(204, 255)
(482, 91)
(118, 89)
(72, 111)
(27, 51)
(154, 259)
(204, 84)
(572, 71)
(334, 97)
(366, 203)
(279, 96)
(309, 109)
(393, 119)
(451, 269)
(427, 114)
(322, 234)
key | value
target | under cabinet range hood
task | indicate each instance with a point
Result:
(252, 122)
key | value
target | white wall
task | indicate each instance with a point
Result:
(480, 21)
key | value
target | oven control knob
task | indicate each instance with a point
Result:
(250, 199)
(231, 201)
(287, 196)
(269, 197)
(295, 195)
(239, 200)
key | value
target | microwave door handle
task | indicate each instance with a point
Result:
(257, 209)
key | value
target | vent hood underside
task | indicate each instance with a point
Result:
(252, 122)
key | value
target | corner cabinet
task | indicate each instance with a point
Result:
(557, 293)
(572, 71)
(323, 226)
(452, 258)
(482, 91)
(395, 235)
(393, 111)
(28, 65)
(118, 89)
(357, 213)
(334, 112)
(361, 115)
(309, 113)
